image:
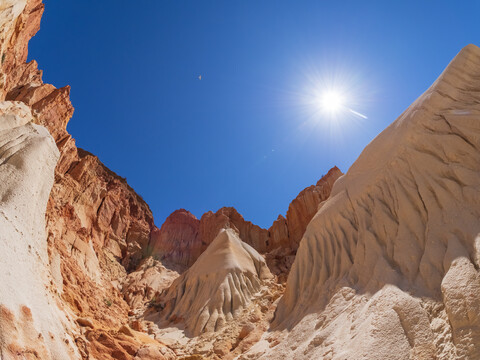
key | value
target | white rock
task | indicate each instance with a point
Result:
(30, 319)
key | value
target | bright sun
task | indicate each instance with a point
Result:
(332, 102)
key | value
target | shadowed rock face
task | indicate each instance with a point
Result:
(387, 268)
(222, 281)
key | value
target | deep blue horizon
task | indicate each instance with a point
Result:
(244, 135)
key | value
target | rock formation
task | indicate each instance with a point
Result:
(221, 282)
(287, 232)
(31, 322)
(182, 237)
(94, 219)
(179, 239)
(148, 280)
(97, 227)
(388, 267)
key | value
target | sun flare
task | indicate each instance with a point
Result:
(332, 102)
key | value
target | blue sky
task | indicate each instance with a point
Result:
(247, 135)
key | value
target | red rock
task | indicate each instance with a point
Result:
(227, 217)
(182, 238)
(179, 238)
(288, 232)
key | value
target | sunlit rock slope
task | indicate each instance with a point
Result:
(388, 267)
(221, 282)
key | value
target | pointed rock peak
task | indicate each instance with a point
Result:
(332, 175)
(181, 213)
(228, 252)
(222, 281)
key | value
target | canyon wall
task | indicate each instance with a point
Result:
(385, 258)
(97, 228)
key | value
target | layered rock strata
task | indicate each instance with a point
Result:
(97, 227)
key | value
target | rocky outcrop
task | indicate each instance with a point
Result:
(222, 281)
(19, 21)
(388, 267)
(147, 281)
(179, 239)
(287, 232)
(229, 218)
(32, 324)
(98, 227)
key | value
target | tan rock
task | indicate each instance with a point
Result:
(126, 331)
(229, 218)
(220, 283)
(392, 254)
(85, 322)
(143, 284)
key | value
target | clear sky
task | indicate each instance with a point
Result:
(249, 133)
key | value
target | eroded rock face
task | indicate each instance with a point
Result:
(229, 218)
(388, 267)
(97, 227)
(179, 238)
(19, 21)
(147, 281)
(222, 281)
(287, 232)
(31, 322)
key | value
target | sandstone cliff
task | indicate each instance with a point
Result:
(387, 260)
(98, 227)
